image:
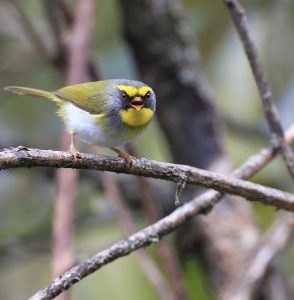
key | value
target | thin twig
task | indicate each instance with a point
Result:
(150, 234)
(239, 18)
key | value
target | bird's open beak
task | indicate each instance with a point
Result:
(137, 103)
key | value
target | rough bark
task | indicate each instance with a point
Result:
(25, 157)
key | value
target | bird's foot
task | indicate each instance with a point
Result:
(73, 151)
(127, 157)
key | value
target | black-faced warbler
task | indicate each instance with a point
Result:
(106, 113)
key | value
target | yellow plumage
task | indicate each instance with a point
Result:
(135, 118)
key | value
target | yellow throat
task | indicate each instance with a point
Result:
(134, 118)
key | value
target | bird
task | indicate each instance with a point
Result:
(107, 113)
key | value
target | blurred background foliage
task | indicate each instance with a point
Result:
(26, 195)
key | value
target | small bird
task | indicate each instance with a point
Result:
(105, 113)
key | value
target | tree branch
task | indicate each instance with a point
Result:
(239, 18)
(25, 157)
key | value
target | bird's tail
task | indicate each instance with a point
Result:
(32, 92)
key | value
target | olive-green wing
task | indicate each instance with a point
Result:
(90, 96)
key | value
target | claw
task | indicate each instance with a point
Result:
(73, 150)
(128, 158)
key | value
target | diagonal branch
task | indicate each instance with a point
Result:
(153, 233)
(238, 15)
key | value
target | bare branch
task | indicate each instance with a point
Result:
(238, 15)
(152, 233)
(24, 157)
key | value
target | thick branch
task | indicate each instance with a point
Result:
(238, 15)
(24, 157)
(151, 234)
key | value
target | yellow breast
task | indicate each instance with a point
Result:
(136, 118)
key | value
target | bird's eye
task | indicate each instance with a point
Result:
(148, 95)
(124, 95)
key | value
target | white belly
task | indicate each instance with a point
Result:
(87, 130)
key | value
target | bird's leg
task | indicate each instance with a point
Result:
(128, 158)
(72, 149)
